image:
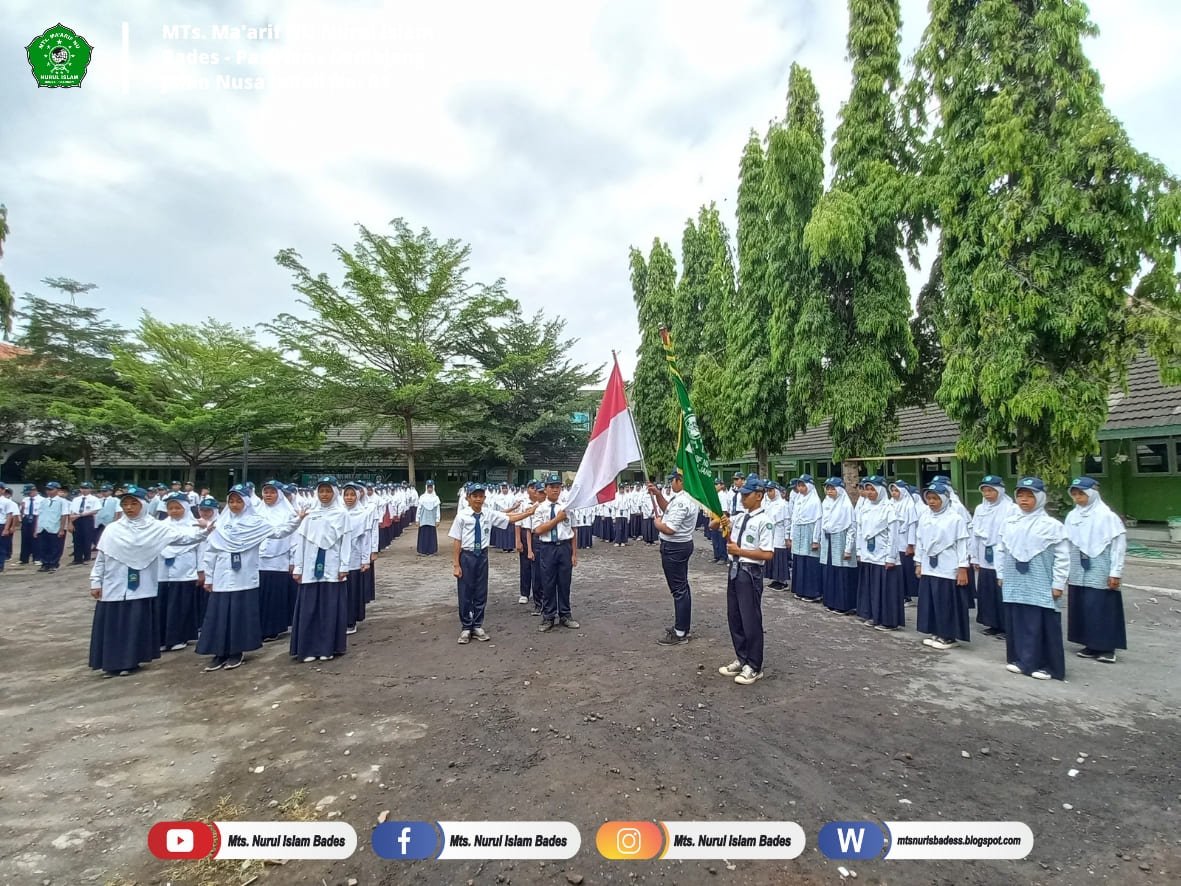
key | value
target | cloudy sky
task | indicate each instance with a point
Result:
(549, 136)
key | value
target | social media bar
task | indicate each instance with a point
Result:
(674, 840)
(509, 839)
(285, 839)
(958, 839)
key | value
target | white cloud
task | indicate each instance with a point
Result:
(550, 136)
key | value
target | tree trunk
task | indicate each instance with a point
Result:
(762, 456)
(87, 464)
(193, 472)
(850, 473)
(410, 451)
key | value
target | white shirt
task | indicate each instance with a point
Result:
(732, 502)
(85, 504)
(30, 506)
(219, 568)
(111, 576)
(757, 532)
(681, 517)
(184, 567)
(546, 511)
(336, 560)
(463, 528)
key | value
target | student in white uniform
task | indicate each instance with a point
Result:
(178, 591)
(276, 590)
(123, 580)
(675, 523)
(358, 563)
(429, 509)
(321, 556)
(9, 524)
(559, 555)
(232, 626)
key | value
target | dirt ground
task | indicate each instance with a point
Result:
(586, 726)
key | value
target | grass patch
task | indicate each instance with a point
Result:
(297, 808)
(207, 871)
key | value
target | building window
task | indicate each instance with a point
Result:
(1152, 457)
(1096, 465)
(933, 467)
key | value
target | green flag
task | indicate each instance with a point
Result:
(692, 461)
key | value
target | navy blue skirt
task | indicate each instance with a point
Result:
(1033, 639)
(648, 530)
(620, 537)
(369, 584)
(321, 620)
(990, 606)
(838, 584)
(910, 581)
(355, 585)
(943, 609)
(395, 529)
(428, 540)
(202, 606)
(124, 634)
(635, 526)
(806, 577)
(879, 595)
(586, 538)
(411, 514)
(779, 569)
(176, 612)
(1095, 618)
(231, 624)
(274, 601)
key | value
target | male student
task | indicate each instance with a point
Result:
(52, 519)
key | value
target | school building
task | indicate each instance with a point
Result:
(1138, 464)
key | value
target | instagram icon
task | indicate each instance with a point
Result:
(629, 840)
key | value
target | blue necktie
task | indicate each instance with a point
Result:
(479, 534)
(553, 533)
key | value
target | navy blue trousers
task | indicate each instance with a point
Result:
(472, 588)
(744, 612)
(674, 559)
(556, 572)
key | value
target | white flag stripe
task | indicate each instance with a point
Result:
(605, 456)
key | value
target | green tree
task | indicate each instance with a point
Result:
(926, 325)
(539, 390)
(1049, 217)
(793, 183)
(398, 343)
(45, 393)
(751, 412)
(7, 302)
(653, 403)
(196, 392)
(42, 470)
(855, 238)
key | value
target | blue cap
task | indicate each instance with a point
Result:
(1084, 483)
(835, 482)
(939, 488)
(754, 483)
(208, 502)
(53, 484)
(806, 478)
(135, 492)
(1035, 484)
(994, 481)
(738, 476)
(106, 487)
(29, 487)
(718, 481)
(323, 481)
(354, 484)
(3, 485)
(177, 496)
(551, 479)
(275, 483)
(674, 474)
(874, 480)
(85, 484)
(941, 478)
(475, 486)
(430, 482)
(239, 490)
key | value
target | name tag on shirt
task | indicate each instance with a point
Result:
(988, 553)
(133, 579)
(870, 544)
(235, 561)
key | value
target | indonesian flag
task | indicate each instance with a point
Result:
(613, 446)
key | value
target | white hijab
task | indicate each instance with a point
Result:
(327, 524)
(137, 542)
(991, 517)
(942, 529)
(807, 506)
(1027, 535)
(837, 513)
(1094, 526)
(358, 514)
(235, 533)
(905, 510)
(184, 523)
(875, 516)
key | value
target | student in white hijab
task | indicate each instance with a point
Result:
(178, 590)
(805, 542)
(428, 520)
(276, 590)
(906, 517)
(987, 523)
(941, 564)
(358, 565)
(124, 581)
(232, 625)
(838, 546)
(321, 556)
(879, 579)
(1033, 573)
(1098, 546)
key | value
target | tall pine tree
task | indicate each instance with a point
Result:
(1048, 216)
(793, 182)
(655, 408)
(855, 238)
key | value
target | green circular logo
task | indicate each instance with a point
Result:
(59, 57)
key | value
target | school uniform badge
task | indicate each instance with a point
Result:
(59, 57)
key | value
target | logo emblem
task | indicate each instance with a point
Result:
(59, 57)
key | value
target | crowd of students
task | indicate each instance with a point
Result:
(172, 567)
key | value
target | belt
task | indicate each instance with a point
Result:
(687, 541)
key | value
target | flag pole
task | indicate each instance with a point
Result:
(635, 429)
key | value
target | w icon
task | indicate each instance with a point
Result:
(851, 840)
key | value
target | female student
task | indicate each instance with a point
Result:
(941, 564)
(1033, 574)
(805, 542)
(207, 514)
(179, 579)
(429, 507)
(321, 556)
(232, 626)
(906, 516)
(1098, 546)
(276, 590)
(837, 544)
(357, 564)
(990, 517)
(124, 582)
(776, 505)
(879, 581)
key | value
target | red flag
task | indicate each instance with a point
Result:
(612, 447)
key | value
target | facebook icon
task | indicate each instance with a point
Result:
(405, 840)
(851, 840)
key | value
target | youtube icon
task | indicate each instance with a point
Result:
(180, 839)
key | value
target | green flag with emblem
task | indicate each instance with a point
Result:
(692, 460)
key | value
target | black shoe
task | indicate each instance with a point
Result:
(777, 585)
(1087, 653)
(567, 622)
(545, 626)
(216, 664)
(670, 638)
(234, 661)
